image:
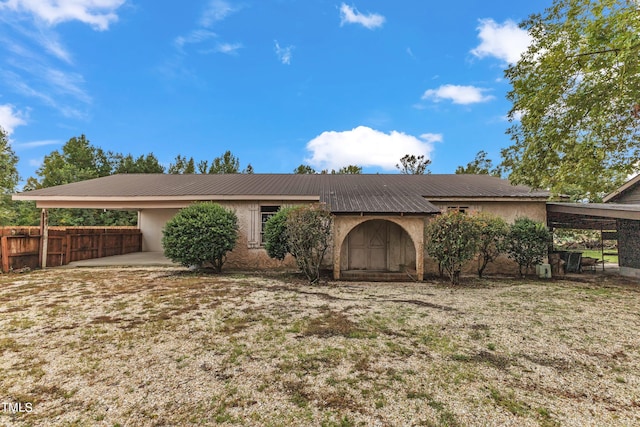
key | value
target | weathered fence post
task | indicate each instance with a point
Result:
(44, 232)
(4, 253)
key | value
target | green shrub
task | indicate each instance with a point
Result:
(304, 232)
(275, 235)
(527, 243)
(199, 234)
(492, 239)
(308, 230)
(452, 239)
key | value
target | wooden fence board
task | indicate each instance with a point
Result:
(20, 246)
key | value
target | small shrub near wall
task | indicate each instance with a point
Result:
(492, 240)
(527, 243)
(452, 239)
(275, 235)
(305, 233)
(201, 234)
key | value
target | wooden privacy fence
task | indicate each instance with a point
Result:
(20, 247)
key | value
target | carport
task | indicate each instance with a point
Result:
(619, 222)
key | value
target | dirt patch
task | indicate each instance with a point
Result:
(162, 346)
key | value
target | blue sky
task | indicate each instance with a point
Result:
(278, 82)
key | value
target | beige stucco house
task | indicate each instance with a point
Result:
(378, 219)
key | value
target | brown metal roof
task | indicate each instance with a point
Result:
(343, 193)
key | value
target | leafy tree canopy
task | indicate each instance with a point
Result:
(304, 169)
(411, 164)
(78, 161)
(349, 170)
(142, 164)
(226, 163)
(308, 170)
(576, 98)
(480, 166)
(8, 178)
(182, 166)
(8, 165)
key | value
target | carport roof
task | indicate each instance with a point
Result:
(379, 193)
(590, 216)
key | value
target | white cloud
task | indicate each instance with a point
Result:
(194, 37)
(458, 94)
(284, 53)
(517, 116)
(217, 10)
(350, 15)
(431, 137)
(506, 41)
(10, 119)
(228, 48)
(36, 144)
(97, 13)
(68, 84)
(36, 163)
(366, 147)
(48, 95)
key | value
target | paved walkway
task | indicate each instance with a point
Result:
(139, 259)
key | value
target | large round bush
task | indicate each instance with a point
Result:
(199, 234)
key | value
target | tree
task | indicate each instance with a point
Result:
(183, 166)
(8, 165)
(78, 161)
(527, 243)
(142, 164)
(452, 239)
(411, 164)
(304, 170)
(9, 178)
(349, 170)
(227, 163)
(576, 103)
(199, 234)
(480, 166)
(491, 239)
(275, 235)
(309, 236)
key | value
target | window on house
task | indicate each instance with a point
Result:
(266, 212)
(461, 209)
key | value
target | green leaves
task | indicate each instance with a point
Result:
(275, 235)
(8, 165)
(527, 243)
(199, 234)
(573, 93)
(304, 232)
(452, 239)
(410, 164)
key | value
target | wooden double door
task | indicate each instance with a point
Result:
(368, 246)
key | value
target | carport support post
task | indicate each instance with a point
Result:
(44, 239)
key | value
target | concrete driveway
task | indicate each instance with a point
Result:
(138, 259)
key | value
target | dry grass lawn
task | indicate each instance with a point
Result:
(161, 347)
